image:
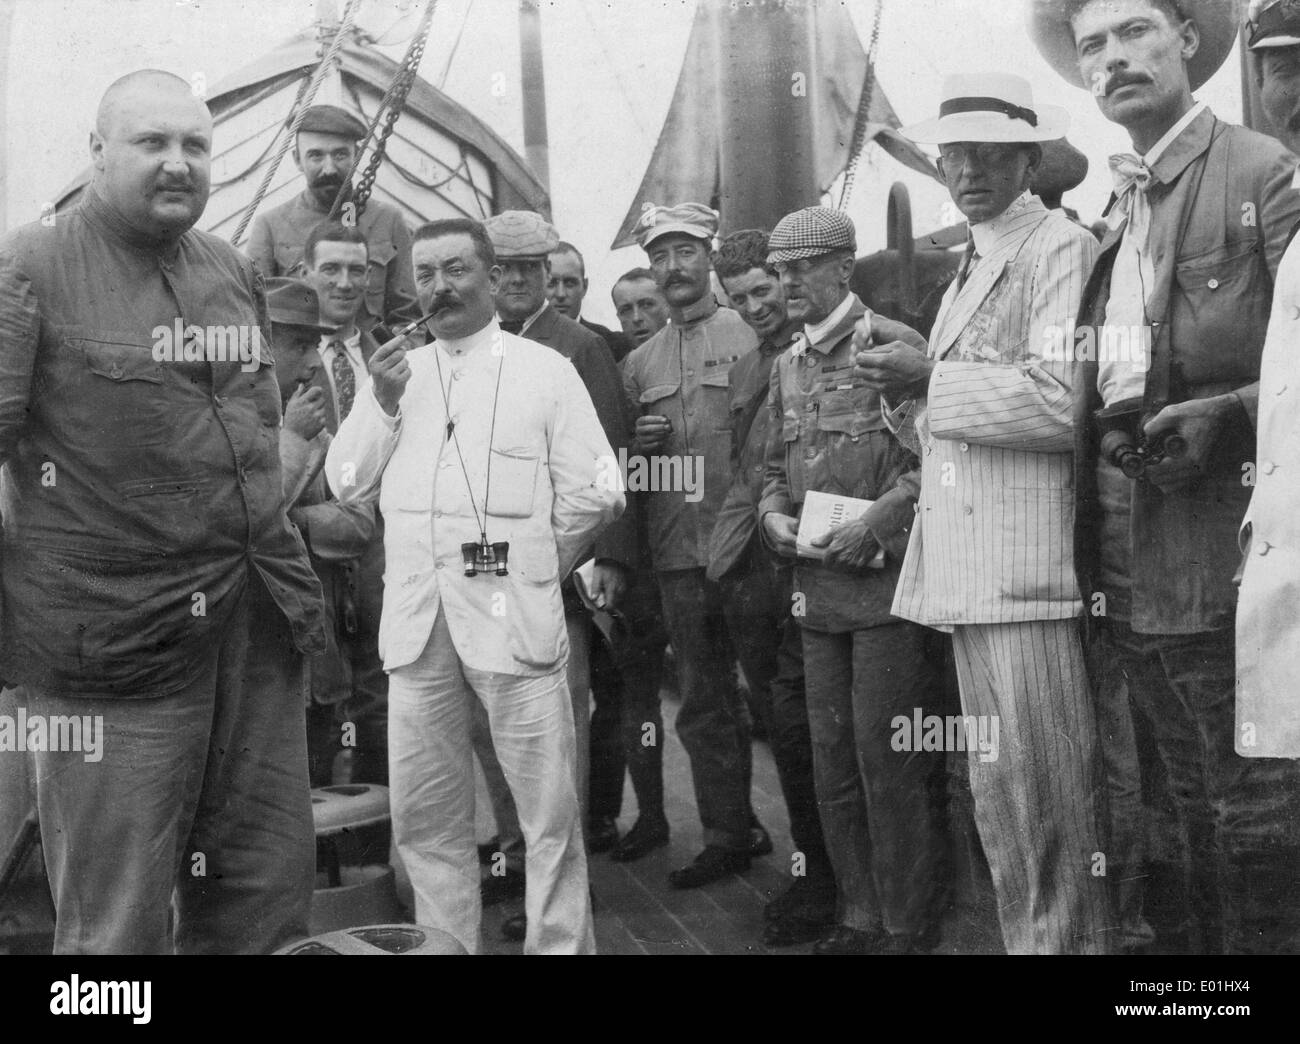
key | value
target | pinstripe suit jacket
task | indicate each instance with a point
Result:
(992, 540)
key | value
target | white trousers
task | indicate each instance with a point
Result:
(431, 779)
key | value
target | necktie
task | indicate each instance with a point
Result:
(512, 326)
(1130, 177)
(968, 262)
(345, 381)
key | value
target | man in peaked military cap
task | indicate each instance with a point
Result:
(677, 383)
(326, 152)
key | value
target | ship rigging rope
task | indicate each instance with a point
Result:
(300, 106)
(394, 101)
(858, 142)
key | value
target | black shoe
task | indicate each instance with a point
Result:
(846, 941)
(645, 836)
(794, 931)
(810, 898)
(713, 864)
(602, 834)
(513, 929)
(509, 885)
(760, 841)
(487, 850)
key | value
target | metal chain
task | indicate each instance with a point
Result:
(394, 101)
(858, 142)
(301, 104)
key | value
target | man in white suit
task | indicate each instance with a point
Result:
(990, 555)
(488, 457)
(1268, 671)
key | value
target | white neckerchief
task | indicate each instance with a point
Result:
(817, 331)
(1122, 361)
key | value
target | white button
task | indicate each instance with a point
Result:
(437, 565)
(437, 514)
(968, 510)
(1295, 312)
(1213, 284)
(1264, 547)
(690, 373)
(1268, 467)
(965, 447)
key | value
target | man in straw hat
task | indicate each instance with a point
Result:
(1187, 269)
(991, 405)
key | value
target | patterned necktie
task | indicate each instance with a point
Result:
(345, 381)
(511, 326)
(1130, 177)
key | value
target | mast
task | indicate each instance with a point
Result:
(532, 82)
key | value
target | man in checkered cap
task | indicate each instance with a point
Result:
(676, 384)
(863, 667)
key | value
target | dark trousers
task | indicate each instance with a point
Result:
(201, 795)
(1239, 817)
(881, 826)
(713, 723)
(359, 722)
(769, 645)
(626, 723)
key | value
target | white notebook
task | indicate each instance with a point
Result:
(823, 512)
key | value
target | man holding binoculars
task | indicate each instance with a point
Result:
(486, 440)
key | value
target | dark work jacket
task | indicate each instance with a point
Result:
(138, 493)
(592, 360)
(618, 343)
(1222, 208)
(828, 435)
(737, 525)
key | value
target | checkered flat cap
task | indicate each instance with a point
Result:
(521, 233)
(810, 232)
(688, 219)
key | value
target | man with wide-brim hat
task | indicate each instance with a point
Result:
(1196, 231)
(990, 405)
(1062, 168)
(326, 151)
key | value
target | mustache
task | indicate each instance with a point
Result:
(439, 303)
(1124, 80)
(173, 185)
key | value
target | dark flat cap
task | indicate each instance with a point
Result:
(810, 232)
(293, 302)
(330, 119)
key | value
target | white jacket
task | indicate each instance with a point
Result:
(1268, 669)
(553, 485)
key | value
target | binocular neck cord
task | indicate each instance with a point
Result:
(481, 522)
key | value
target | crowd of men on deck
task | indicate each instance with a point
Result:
(381, 551)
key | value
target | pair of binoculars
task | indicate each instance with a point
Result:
(485, 558)
(1124, 444)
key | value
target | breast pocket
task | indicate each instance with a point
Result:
(1221, 298)
(512, 485)
(848, 408)
(124, 392)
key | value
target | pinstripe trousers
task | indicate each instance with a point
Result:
(1035, 802)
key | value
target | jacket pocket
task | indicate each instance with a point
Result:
(1221, 297)
(851, 411)
(512, 484)
(657, 393)
(123, 395)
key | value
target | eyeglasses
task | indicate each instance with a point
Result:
(985, 153)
